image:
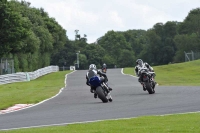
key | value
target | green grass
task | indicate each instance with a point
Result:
(182, 123)
(179, 74)
(31, 92)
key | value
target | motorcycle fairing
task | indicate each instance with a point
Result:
(95, 81)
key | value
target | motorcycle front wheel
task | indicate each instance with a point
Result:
(149, 88)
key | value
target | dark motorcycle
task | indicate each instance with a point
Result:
(147, 79)
(104, 70)
(101, 89)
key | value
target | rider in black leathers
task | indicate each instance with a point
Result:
(140, 63)
(94, 72)
(104, 66)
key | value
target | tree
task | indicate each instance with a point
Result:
(126, 59)
(154, 46)
(83, 61)
(114, 43)
(58, 33)
(191, 24)
(14, 29)
(186, 43)
(136, 39)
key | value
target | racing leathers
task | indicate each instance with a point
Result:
(102, 76)
(104, 68)
(137, 68)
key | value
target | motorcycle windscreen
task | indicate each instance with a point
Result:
(95, 81)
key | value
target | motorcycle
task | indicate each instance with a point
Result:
(101, 90)
(147, 79)
(104, 70)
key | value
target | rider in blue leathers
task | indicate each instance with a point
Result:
(94, 72)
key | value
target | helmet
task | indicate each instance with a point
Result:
(139, 62)
(92, 66)
(104, 64)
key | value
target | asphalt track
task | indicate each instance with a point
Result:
(76, 103)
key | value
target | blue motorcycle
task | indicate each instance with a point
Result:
(101, 89)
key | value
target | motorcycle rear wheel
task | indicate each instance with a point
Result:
(101, 94)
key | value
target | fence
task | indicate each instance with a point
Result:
(64, 68)
(6, 66)
(192, 56)
(27, 76)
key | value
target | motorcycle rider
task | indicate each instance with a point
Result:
(139, 64)
(94, 72)
(104, 66)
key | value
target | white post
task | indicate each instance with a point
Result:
(78, 58)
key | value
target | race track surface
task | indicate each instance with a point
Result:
(76, 103)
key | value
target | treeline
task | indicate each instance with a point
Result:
(159, 45)
(35, 40)
(28, 35)
(162, 44)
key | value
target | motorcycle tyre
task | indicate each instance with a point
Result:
(101, 94)
(149, 88)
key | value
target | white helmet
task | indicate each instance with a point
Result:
(92, 66)
(139, 62)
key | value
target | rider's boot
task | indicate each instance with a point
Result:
(91, 90)
(154, 84)
(109, 88)
(144, 89)
(95, 95)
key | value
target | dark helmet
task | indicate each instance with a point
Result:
(139, 62)
(92, 66)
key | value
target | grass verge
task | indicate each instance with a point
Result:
(182, 123)
(179, 74)
(31, 92)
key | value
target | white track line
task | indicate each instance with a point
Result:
(127, 74)
(62, 124)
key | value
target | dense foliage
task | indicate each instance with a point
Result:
(35, 40)
(28, 35)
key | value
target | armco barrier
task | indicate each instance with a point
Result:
(27, 76)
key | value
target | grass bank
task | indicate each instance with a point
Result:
(33, 91)
(179, 74)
